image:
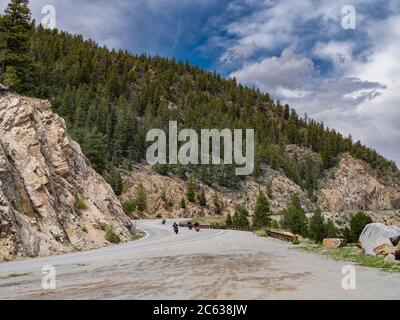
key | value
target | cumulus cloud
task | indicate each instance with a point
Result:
(295, 50)
(348, 79)
(295, 78)
(287, 71)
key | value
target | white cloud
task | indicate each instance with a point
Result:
(360, 95)
(287, 71)
(339, 53)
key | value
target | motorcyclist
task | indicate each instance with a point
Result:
(175, 228)
(164, 221)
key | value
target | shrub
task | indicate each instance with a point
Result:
(14, 238)
(262, 233)
(163, 195)
(357, 225)
(296, 241)
(80, 203)
(161, 169)
(274, 224)
(129, 207)
(111, 236)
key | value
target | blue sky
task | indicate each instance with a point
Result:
(297, 50)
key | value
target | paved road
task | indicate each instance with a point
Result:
(210, 264)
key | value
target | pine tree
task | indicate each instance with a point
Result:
(15, 60)
(240, 218)
(141, 198)
(202, 198)
(294, 217)
(217, 204)
(115, 180)
(183, 203)
(93, 145)
(11, 78)
(190, 190)
(229, 221)
(163, 195)
(357, 225)
(269, 189)
(261, 217)
(318, 230)
(331, 231)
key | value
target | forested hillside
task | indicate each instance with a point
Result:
(110, 99)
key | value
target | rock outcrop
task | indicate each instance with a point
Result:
(347, 188)
(174, 189)
(42, 174)
(379, 239)
(334, 243)
(352, 185)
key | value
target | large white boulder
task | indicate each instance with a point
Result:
(379, 239)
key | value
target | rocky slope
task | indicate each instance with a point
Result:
(175, 189)
(347, 188)
(42, 174)
(352, 185)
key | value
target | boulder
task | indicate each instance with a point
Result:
(334, 243)
(383, 250)
(397, 254)
(379, 239)
(390, 258)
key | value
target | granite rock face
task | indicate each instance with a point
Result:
(42, 174)
(352, 185)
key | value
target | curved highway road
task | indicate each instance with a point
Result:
(209, 264)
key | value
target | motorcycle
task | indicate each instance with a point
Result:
(164, 222)
(197, 229)
(190, 225)
(176, 229)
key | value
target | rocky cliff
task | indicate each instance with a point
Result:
(42, 175)
(353, 185)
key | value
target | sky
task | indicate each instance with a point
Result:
(301, 52)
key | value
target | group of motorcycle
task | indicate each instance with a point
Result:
(190, 225)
